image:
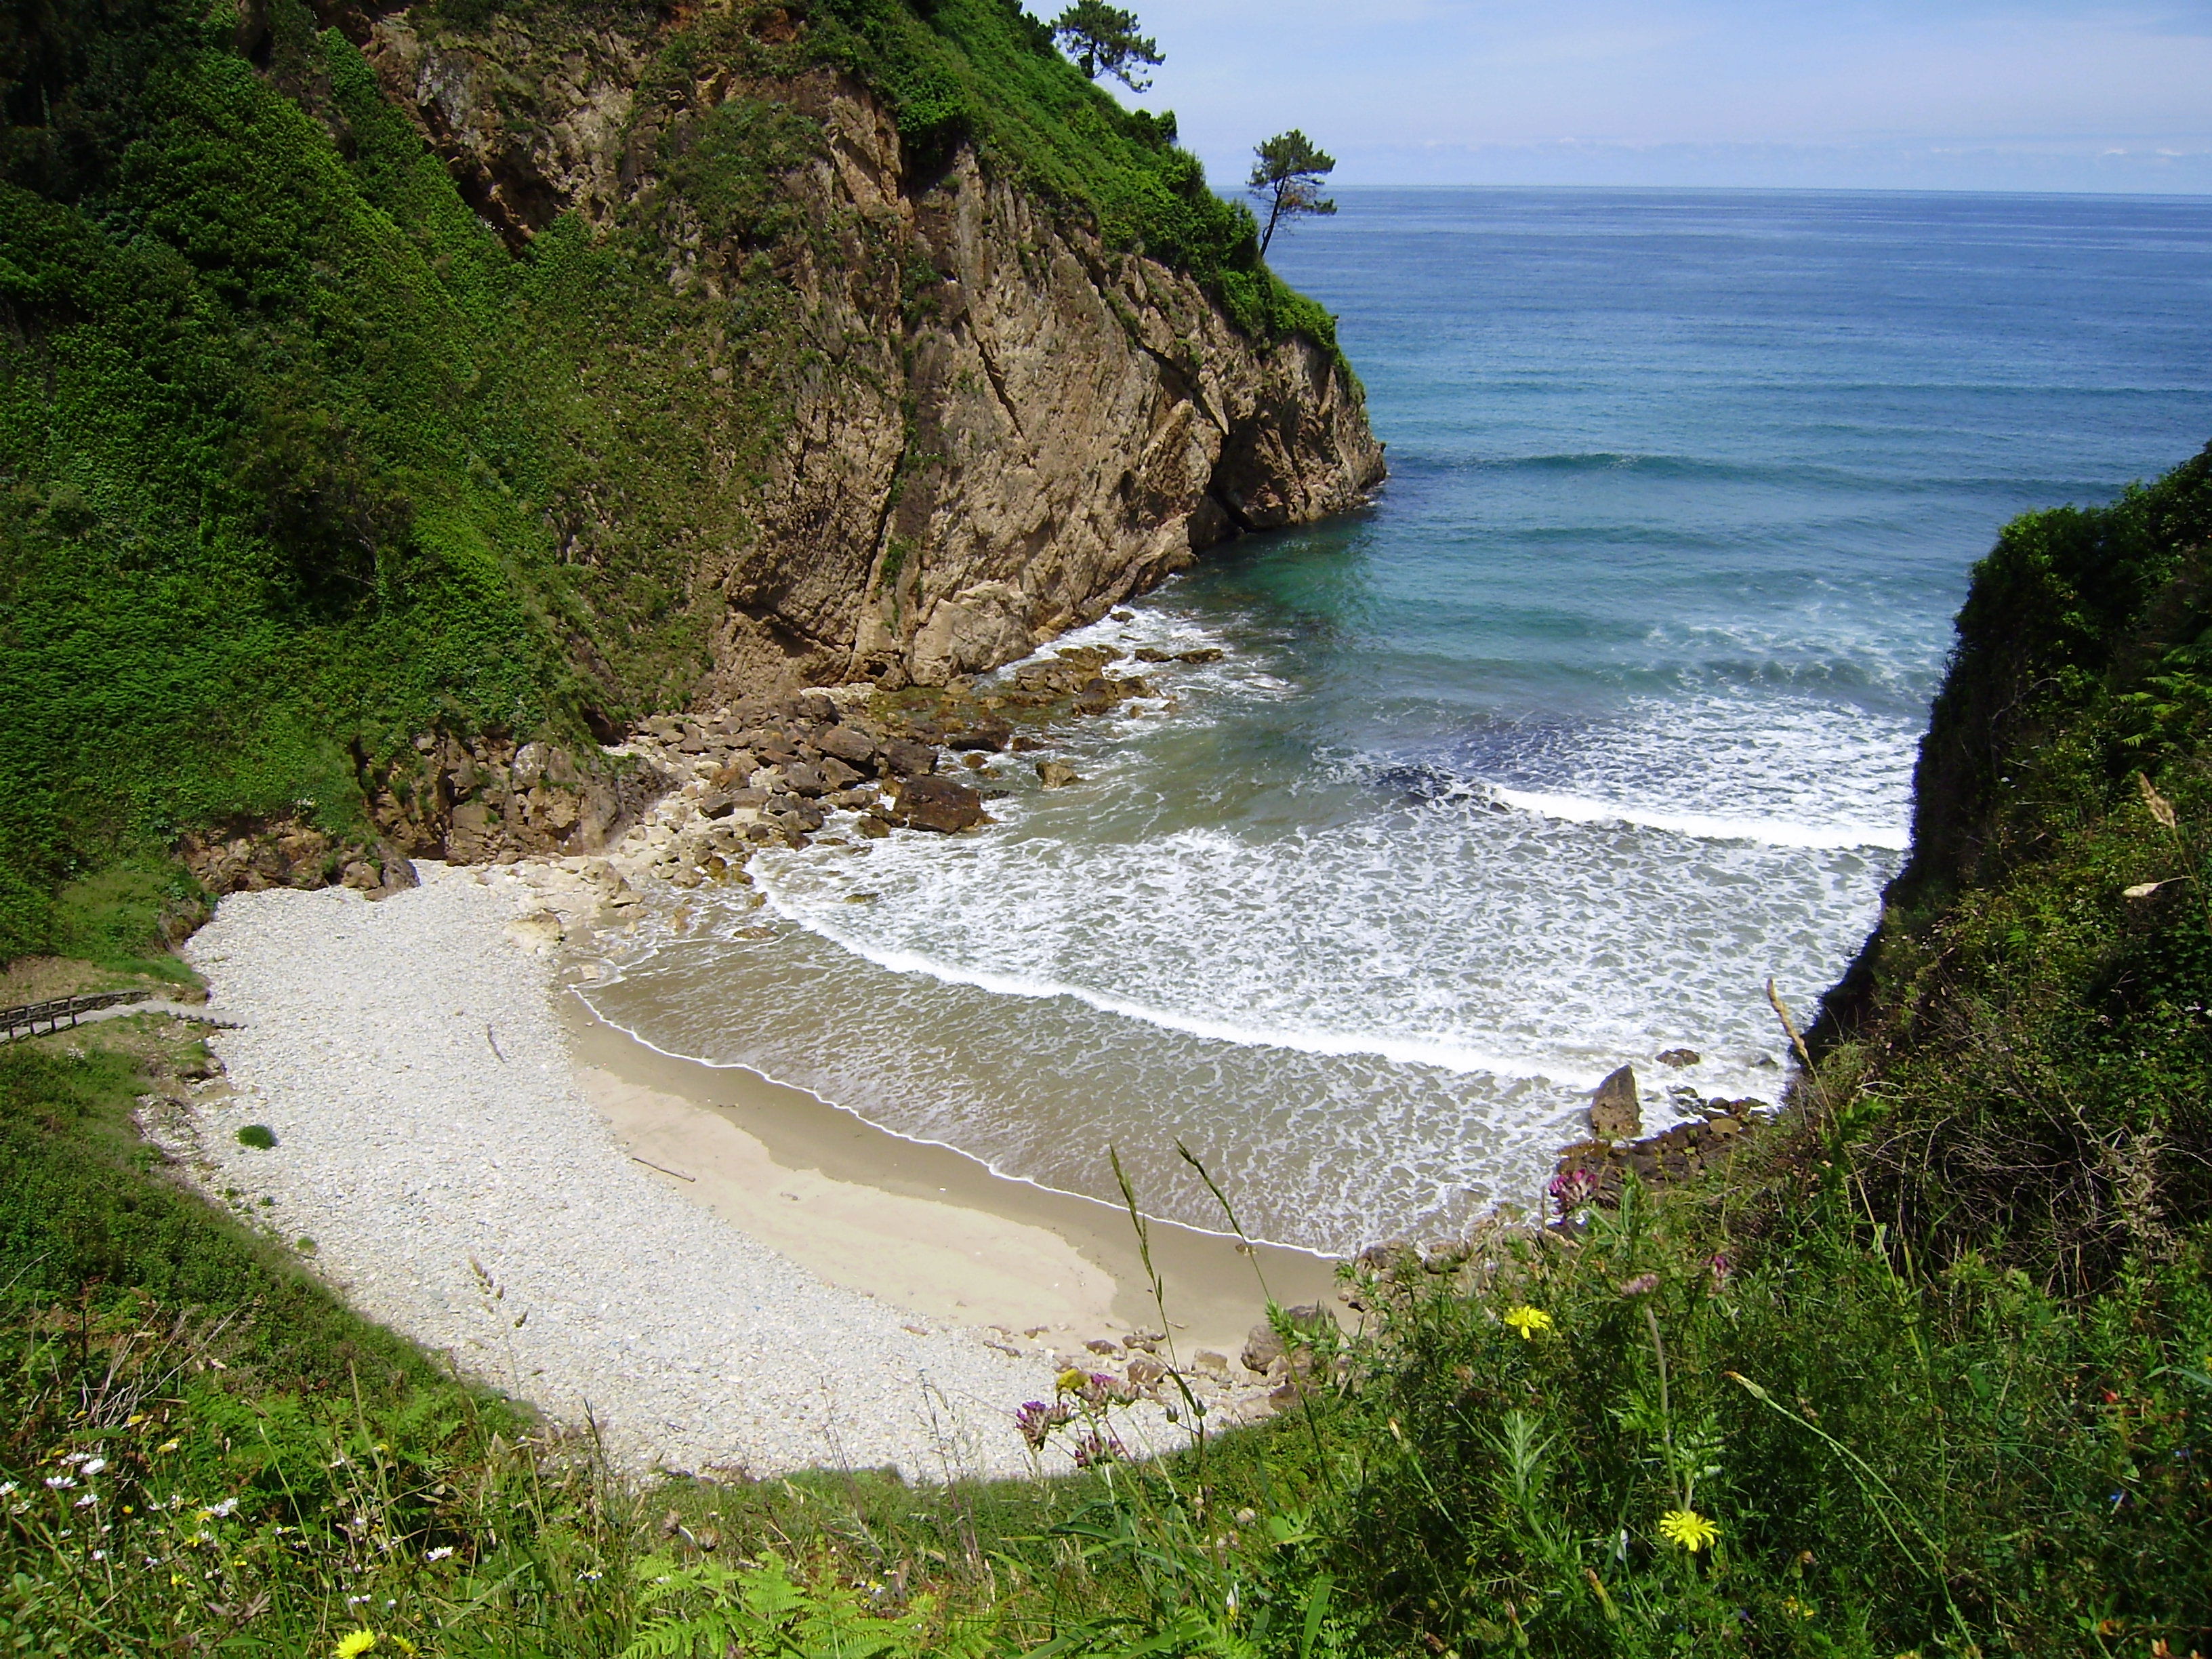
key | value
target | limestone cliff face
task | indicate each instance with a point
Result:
(991, 427)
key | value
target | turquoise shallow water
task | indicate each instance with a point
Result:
(1601, 713)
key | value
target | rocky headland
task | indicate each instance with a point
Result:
(990, 423)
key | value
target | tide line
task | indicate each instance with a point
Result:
(912, 1139)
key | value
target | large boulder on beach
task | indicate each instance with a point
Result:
(991, 732)
(1263, 1343)
(835, 774)
(903, 758)
(1615, 1113)
(929, 802)
(847, 744)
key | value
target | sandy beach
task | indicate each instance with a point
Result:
(920, 1225)
(724, 1274)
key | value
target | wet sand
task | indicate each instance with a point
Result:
(922, 1227)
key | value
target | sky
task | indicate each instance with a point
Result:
(1932, 94)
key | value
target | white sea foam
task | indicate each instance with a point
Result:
(1375, 994)
(1575, 810)
(1449, 1056)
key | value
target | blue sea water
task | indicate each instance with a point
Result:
(1601, 714)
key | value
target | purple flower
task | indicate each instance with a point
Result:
(1642, 1284)
(1100, 1390)
(1720, 1267)
(1570, 1189)
(1095, 1448)
(1036, 1420)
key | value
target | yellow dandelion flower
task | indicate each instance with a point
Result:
(1070, 1379)
(1528, 1321)
(354, 1643)
(1688, 1528)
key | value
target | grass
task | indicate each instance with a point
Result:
(1893, 1459)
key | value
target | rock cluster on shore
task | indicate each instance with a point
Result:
(288, 853)
(1591, 1172)
(774, 771)
(485, 797)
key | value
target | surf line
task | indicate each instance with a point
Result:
(1443, 1056)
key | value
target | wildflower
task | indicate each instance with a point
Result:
(1797, 1609)
(1097, 1390)
(1528, 1321)
(60, 1482)
(354, 1643)
(1570, 1189)
(1642, 1284)
(1069, 1380)
(6, 1489)
(1688, 1528)
(1095, 1448)
(167, 1446)
(96, 1466)
(444, 1551)
(1036, 1420)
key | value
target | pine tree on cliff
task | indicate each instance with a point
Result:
(1103, 39)
(1286, 174)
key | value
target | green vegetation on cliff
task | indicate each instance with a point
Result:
(298, 459)
(2034, 1031)
(988, 72)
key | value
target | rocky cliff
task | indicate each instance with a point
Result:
(988, 426)
(483, 374)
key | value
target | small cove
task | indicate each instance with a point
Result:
(1603, 714)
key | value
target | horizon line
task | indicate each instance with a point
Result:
(1780, 190)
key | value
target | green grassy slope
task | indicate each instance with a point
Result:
(2038, 1037)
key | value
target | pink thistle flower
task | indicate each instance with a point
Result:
(1094, 1449)
(1570, 1189)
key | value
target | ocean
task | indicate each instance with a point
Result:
(1603, 714)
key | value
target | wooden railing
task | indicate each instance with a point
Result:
(27, 1020)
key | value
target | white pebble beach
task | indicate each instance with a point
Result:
(458, 1186)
